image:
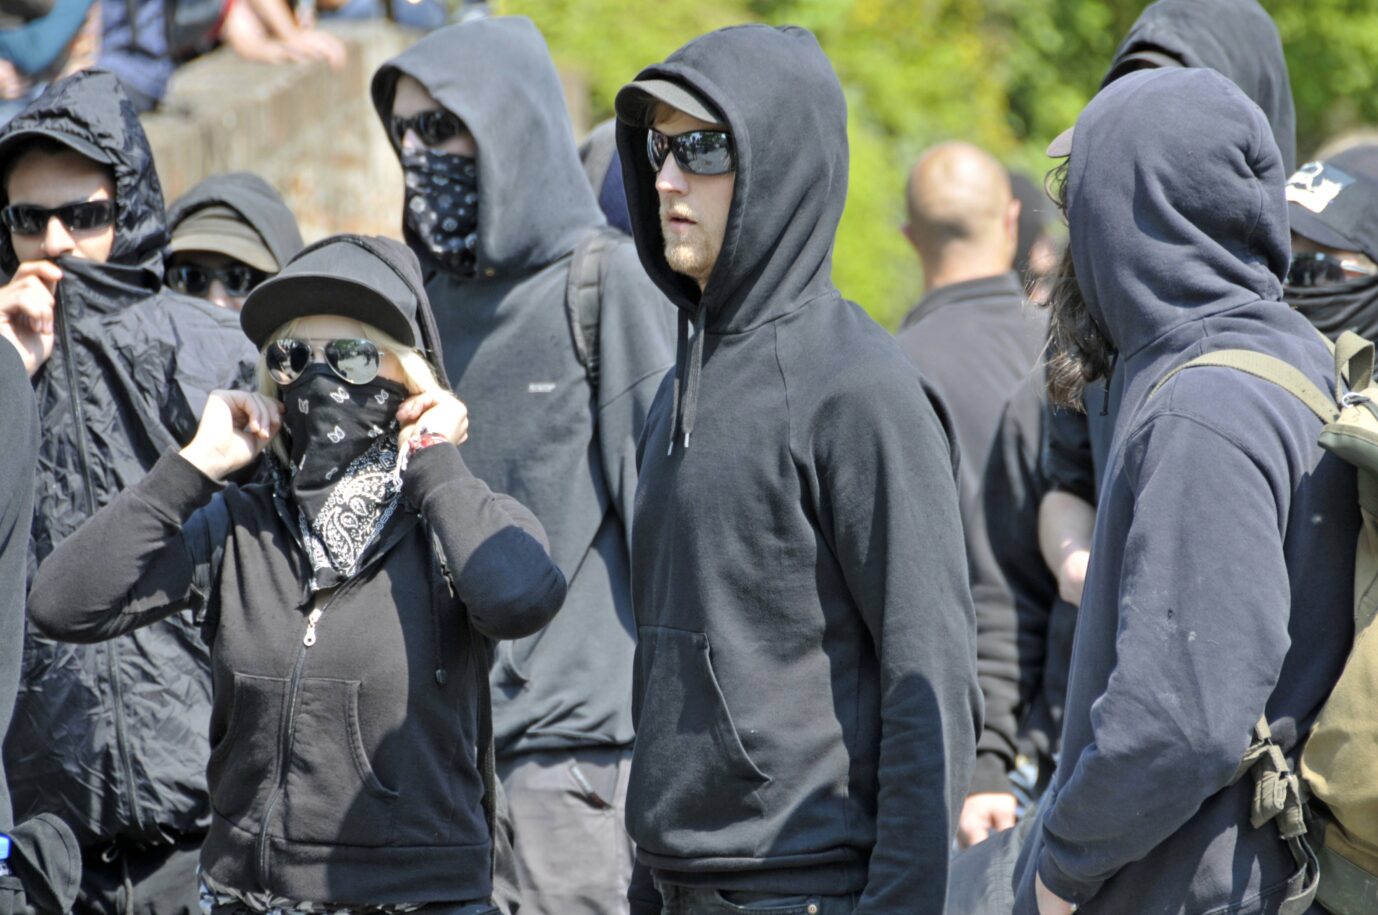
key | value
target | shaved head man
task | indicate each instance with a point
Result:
(963, 216)
(975, 341)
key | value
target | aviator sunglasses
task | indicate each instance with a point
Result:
(355, 361)
(433, 127)
(1317, 268)
(699, 152)
(194, 279)
(31, 219)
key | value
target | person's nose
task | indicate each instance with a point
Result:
(670, 179)
(56, 239)
(411, 142)
(218, 295)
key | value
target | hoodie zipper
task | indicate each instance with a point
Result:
(287, 730)
(111, 650)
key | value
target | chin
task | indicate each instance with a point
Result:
(684, 258)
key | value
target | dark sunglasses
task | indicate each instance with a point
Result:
(1317, 268)
(355, 361)
(699, 152)
(31, 219)
(194, 279)
(434, 126)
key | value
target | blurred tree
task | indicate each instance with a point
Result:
(1007, 74)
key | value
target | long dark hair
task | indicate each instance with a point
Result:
(1078, 352)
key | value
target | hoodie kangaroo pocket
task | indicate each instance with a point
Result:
(333, 796)
(242, 762)
(694, 791)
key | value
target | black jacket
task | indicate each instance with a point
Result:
(806, 693)
(344, 771)
(112, 737)
(541, 432)
(255, 200)
(1222, 568)
(975, 342)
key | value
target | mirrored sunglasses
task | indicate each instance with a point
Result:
(354, 361)
(31, 219)
(699, 152)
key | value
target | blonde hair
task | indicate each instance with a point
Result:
(417, 374)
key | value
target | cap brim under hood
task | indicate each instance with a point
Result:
(1172, 226)
(1237, 38)
(90, 110)
(254, 199)
(496, 75)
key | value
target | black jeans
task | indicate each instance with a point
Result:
(693, 900)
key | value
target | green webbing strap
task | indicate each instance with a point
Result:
(1270, 369)
(1277, 798)
(1353, 359)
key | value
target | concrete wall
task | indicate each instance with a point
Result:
(312, 133)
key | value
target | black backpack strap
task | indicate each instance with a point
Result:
(480, 662)
(584, 294)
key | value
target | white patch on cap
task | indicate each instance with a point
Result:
(1315, 185)
(540, 387)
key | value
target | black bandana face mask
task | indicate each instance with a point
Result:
(343, 476)
(442, 206)
(1338, 307)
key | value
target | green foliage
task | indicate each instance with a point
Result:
(1006, 74)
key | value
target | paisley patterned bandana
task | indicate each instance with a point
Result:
(442, 206)
(343, 479)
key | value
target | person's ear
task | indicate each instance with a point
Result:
(1012, 220)
(908, 232)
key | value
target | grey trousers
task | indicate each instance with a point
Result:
(573, 854)
(694, 900)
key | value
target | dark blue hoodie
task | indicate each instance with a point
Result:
(1222, 564)
(806, 692)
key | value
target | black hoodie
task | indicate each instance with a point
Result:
(129, 375)
(1239, 39)
(540, 432)
(255, 200)
(806, 692)
(1222, 568)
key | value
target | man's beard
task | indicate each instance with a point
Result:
(692, 254)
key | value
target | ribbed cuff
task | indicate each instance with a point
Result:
(1062, 884)
(990, 775)
(428, 469)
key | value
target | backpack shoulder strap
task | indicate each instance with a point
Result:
(584, 295)
(1270, 369)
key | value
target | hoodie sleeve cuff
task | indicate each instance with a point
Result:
(175, 488)
(429, 469)
(990, 775)
(1062, 884)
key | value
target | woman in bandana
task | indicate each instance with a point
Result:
(347, 600)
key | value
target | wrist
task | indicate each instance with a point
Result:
(203, 460)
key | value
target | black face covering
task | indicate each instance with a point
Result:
(442, 206)
(1339, 307)
(343, 478)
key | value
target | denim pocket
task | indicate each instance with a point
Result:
(770, 905)
(693, 790)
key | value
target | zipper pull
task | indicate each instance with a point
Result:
(310, 638)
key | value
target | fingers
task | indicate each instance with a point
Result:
(46, 272)
(253, 413)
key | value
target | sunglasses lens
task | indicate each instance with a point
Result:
(188, 280)
(1314, 269)
(356, 361)
(93, 214)
(25, 219)
(436, 126)
(657, 148)
(704, 152)
(287, 359)
(239, 279)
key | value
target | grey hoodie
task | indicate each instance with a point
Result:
(1221, 572)
(539, 432)
(806, 692)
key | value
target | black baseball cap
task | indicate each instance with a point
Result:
(1334, 207)
(353, 276)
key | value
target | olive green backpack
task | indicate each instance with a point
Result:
(1337, 792)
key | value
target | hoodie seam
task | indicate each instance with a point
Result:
(631, 388)
(799, 306)
(784, 384)
(1138, 435)
(1196, 320)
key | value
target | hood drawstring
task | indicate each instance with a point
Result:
(688, 369)
(1105, 391)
